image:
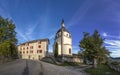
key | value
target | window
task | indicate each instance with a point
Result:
(39, 46)
(31, 51)
(31, 47)
(26, 51)
(27, 47)
(23, 52)
(39, 42)
(69, 51)
(39, 57)
(20, 52)
(20, 48)
(39, 51)
(70, 36)
(67, 35)
(27, 44)
(23, 48)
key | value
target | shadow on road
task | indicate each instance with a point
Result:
(41, 72)
(26, 69)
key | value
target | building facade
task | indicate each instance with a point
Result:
(63, 39)
(34, 50)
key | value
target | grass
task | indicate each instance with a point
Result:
(102, 70)
(65, 63)
(69, 64)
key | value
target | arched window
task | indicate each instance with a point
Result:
(69, 50)
(67, 35)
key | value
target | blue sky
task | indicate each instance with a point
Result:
(37, 19)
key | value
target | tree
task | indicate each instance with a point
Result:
(56, 50)
(8, 39)
(92, 47)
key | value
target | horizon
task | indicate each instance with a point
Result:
(39, 19)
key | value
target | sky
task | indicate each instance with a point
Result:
(39, 19)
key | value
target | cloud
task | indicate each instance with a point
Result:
(4, 10)
(26, 35)
(52, 36)
(113, 46)
(80, 13)
(104, 34)
(110, 36)
(21, 36)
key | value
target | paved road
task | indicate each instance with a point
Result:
(30, 67)
(21, 67)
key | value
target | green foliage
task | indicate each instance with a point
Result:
(101, 70)
(70, 64)
(92, 46)
(115, 63)
(8, 39)
(56, 50)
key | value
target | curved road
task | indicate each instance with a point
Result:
(31, 67)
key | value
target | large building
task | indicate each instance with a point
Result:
(63, 39)
(35, 49)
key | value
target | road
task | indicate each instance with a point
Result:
(31, 67)
(21, 67)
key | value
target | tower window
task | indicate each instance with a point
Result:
(69, 50)
(70, 36)
(67, 35)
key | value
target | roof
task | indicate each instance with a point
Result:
(36, 41)
(64, 29)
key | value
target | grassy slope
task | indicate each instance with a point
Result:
(102, 70)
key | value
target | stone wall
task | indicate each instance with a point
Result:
(73, 59)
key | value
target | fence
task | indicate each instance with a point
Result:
(116, 68)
